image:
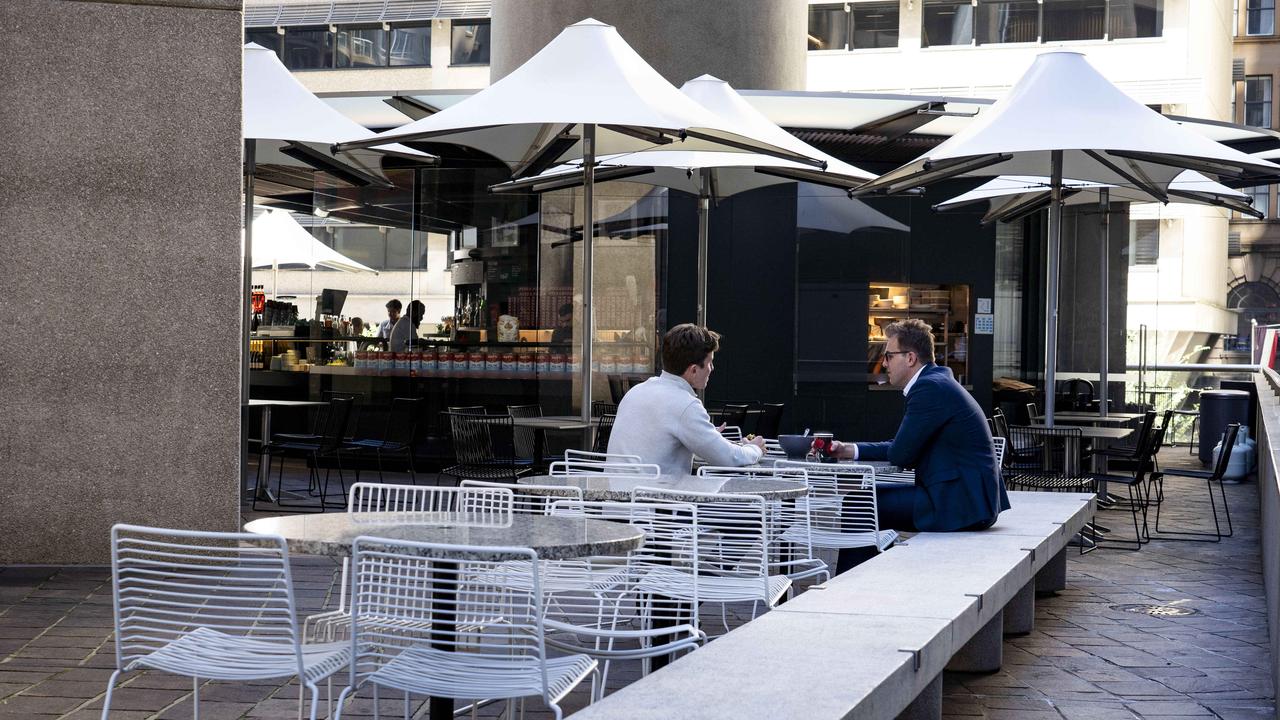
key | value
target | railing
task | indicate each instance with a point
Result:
(1268, 438)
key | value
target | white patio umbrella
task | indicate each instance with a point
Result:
(280, 242)
(585, 94)
(1015, 196)
(1064, 117)
(712, 175)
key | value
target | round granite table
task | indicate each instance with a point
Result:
(553, 538)
(619, 487)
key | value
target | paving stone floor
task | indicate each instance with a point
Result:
(1084, 660)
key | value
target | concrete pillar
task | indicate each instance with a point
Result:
(121, 217)
(1053, 576)
(985, 650)
(751, 44)
(927, 705)
(1020, 613)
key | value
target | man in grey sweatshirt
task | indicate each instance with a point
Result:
(663, 421)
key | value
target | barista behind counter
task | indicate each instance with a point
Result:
(405, 331)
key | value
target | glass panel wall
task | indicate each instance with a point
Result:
(411, 45)
(828, 27)
(1257, 101)
(308, 49)
(1135, 18)
(875, 24)
(1074, 20)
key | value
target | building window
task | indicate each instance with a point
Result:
(411, 45)
(947, 22)
(1259, 198)
(828, 27)
(1261, 17)
(1144, 242)
(470, 42)
(1074, 20)
(266, 37)
(1008, 21)
(1135, 18)
(1257, 100)
(308, 49)
(875, 25)
(360, 47)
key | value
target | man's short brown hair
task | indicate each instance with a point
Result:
(686, 345)
(913, 335)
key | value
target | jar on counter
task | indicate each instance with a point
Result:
(608, 363)
(573, 364)
(557, 363)
(624, 364)
(524, 363)
(509, 363)
(475, 361)
(493, 362)
(459, 362)
(427, 360)
(542, 362)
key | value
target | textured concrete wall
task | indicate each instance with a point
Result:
(751, 44)
(120, 214)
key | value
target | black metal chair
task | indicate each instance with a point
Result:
(605, 414)
(399, 435)
(1132, 451)
(1138, 483)
(1039, 460)
(317, 431)
(484, 448)
(769, 419)
(330, 445)
(526, 439)
(1219, 471)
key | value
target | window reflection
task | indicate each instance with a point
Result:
(470, 42)
(1074, 19)
(947, 22)
(361, 47)
(875, 25)
(308, 49)
(1135, 18)
(266, 37)
(828, 27)
(411, 45)
(1008, 21)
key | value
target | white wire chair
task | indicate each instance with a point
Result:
(790, 548)
(998, 444)
(530, 499)
(732, 433)
(593, 467)
(487, 638)
(590, 456)
(733, 562)
(843, 509)
(627, 620)
(210, 605)
(487, 505)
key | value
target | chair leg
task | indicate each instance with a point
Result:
(1225, 509)
(106, 701)
(195, 698)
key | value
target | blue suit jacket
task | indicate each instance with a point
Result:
(945, 438)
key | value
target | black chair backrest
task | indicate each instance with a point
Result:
(603, 408)
(1224, 457)
(336, 418)
(403, 421)
(1042, 449)
(1032, 412)
(770, 419)
(1073, 392)
(735, 414)
(482, 439)
(604, 426)
(524, 437)
(1000, 424)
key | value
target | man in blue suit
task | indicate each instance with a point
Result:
(944, 437)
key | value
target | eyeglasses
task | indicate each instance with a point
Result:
(890, 353)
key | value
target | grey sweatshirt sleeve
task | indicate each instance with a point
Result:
(698, 434)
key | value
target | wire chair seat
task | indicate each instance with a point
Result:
(712, 587)
(835, 539)
(243, 658)
(1050, 481)
(556, 576)
(430, 671)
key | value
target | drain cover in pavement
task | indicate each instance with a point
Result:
(1158, 610)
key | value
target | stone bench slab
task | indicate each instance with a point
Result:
(792, 665)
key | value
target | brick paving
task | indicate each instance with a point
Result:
(1084, 660)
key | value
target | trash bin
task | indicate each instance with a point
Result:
(1218, 409)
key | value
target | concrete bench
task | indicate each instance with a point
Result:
(873, 642)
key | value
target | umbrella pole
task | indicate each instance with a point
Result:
(1104, 206)
(246, 299)
(588, 269)
(1051, 307)
(704, 220)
